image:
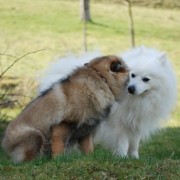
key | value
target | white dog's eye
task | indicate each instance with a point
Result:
(145, 79)
(133, 75)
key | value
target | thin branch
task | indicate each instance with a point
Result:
(18, 59)
(4, 54)
(4, 94)
(8, 103)
(2, 115)
(6, 49)
(13, 94)
(8, 55)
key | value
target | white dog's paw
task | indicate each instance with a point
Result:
(123, 149)
(122, 155)
(134, 154)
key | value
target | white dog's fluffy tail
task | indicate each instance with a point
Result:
(63, 66)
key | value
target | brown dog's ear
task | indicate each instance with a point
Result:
(116, 66)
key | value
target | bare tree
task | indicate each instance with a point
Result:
(85, 10)
(85, 17)
(132, 33)
(85, 36)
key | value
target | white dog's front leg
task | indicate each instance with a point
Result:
(134, 146)
(123, 145)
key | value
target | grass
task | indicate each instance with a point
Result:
(159, 160)
(26, 26)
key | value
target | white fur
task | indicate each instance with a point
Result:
(64, 66)
(139, 114)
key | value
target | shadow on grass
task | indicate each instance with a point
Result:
(115, 29)
(99, 24)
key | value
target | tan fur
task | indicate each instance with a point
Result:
(81, 100)
(86, 144)
(59, 138)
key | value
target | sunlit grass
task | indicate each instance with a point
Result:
(56, 26)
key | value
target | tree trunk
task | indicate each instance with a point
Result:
(131, 27)
(85, 10)
(85, 36)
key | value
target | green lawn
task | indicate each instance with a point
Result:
(159, 160)
(54, 25)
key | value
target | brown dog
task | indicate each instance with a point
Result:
(78, 104)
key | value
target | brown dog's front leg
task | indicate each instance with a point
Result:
(58, 138)
(86, 144)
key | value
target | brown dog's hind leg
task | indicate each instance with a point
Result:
(59, 136)
(27, 147)
(34, 147)
(86, 144)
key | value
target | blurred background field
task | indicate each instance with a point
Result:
(55, 27)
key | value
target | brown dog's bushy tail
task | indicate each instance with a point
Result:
(27, 145)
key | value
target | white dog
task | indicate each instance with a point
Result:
(151, 95)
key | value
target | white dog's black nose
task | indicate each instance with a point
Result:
(131, 89)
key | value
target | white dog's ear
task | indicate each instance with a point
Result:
(141, 49)
(163, 58)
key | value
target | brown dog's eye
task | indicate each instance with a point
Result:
(116, 66)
